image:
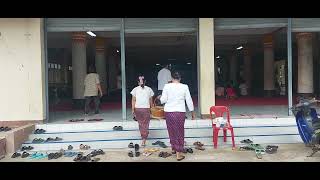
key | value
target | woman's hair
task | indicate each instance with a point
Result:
(176, 75)
(141, 81)
(92, 69)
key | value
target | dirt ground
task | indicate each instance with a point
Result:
(285, 153)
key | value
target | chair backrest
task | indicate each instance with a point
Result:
(219, 112)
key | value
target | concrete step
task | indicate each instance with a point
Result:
(101, 135)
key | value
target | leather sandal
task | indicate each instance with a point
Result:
(180, 159)
(130, 154)
(25, 154)
(16, 154)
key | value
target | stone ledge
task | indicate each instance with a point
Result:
(17, 136)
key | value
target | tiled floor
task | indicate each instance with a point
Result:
(286, 153)
(116, 115)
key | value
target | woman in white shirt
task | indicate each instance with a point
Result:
(174, 95)
(141, 103)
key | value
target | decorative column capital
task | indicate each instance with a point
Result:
(246, 51)
(100, 44)
(79, 36)
(268, 41)
(304, 35)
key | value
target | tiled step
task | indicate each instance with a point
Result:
(101, 135)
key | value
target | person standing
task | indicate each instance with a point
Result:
(164, 77)
(141, 104)
(92, 88)
(174, 96)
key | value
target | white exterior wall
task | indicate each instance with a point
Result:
(22, 69)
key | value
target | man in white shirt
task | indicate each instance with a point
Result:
(92, 89)
(164, 77)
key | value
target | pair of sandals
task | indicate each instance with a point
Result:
(15, 155)
(136, 149)
(70, 154)
(160, 143)
(38, 140)
(97, 152)
(87, 158)
(38, 156)
(95, 120)
(199, 146)
(246, 141)
(185, 151)
(76, 120)
(26, 148)
(84, 147)
(164, 154)
(39, 131)
(271, 149)
(52, 140)
(54, 155)
(117, 128)
(5, 129)
(136, 146)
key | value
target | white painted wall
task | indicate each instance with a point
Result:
(22, 69)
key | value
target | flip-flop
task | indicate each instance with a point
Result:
(25, 154)
(130, 154)
(258, 154)
(146, 154)
(246, 148)
(15, 155)
(189, 150)
(182, 157)
(163, 145)
(198, 143)
(130, 145)
(95, 119)
(95, 159)
(156, 143)
(41, 156)
(200, 148)
(246, 141)
(58, 139)
(137, 153)
(136, 147)
(100, 152)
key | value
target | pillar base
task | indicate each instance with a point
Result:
(205, 116)
(78, 103)
(305, 95)
(269, 93)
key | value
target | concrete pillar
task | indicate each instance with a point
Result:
(101, 62)
(247, 67)
(233, 67)
(112, 72)
(224, 69)
(79, 66)
(206, 66)
(305, 63)
(65, 67)
(268, 65)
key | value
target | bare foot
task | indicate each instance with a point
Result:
(143, 144)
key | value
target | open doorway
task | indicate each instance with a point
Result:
(147, 53)
(71, 51)
(253, 61)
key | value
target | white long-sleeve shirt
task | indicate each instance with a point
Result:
(174, 95)
(164, 76)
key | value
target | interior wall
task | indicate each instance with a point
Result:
(22, 70)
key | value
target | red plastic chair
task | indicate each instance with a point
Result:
(219, 112)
